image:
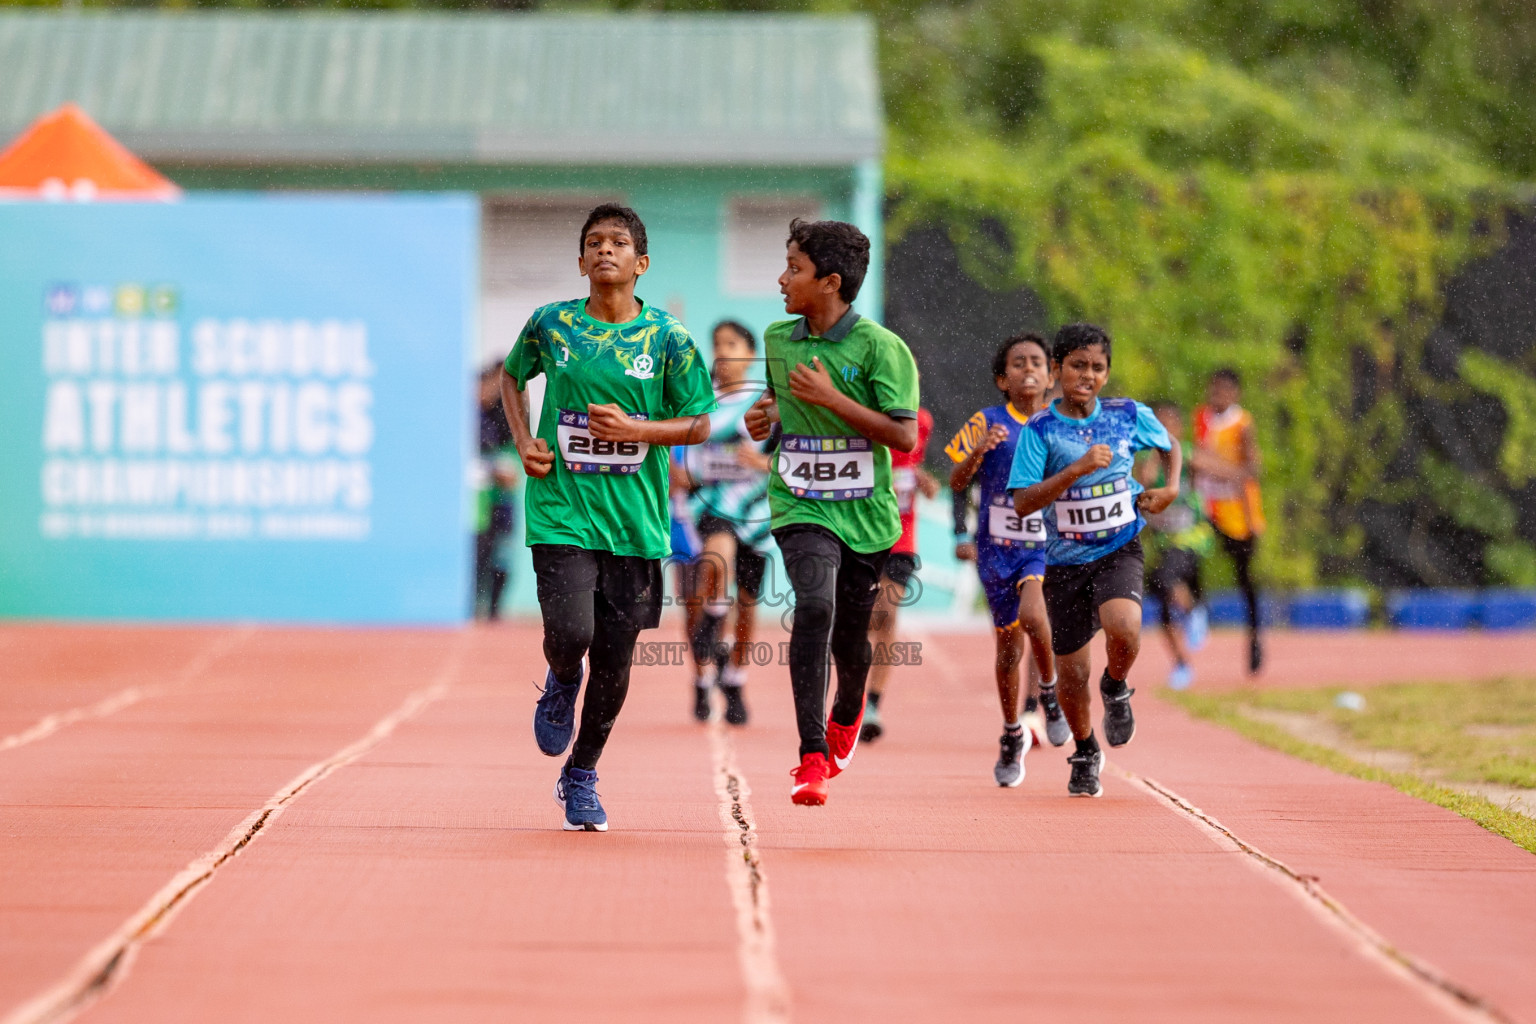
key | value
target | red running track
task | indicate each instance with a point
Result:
(402, 858)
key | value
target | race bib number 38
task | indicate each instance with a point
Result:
(1007, 527)
(827, 468)
(583, 453)
(1096, 512)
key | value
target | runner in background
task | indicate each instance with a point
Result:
(496, 494)
(844, 395)
(910, 479)
(1178, 540)
(729, 504)
(1073, 461)
(1009, 550)
(685, 544)
(624, 383)
(1227, 475)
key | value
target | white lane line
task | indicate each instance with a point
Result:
(127, 697)
(1428, 980)
(756, 950)
(93, 977)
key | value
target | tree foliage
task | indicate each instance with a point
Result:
(1208, 216)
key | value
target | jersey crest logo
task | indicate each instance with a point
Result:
(849, 373)
(641, 368)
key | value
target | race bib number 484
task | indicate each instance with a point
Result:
(827, 468)
(1096, 512)
(583, 453)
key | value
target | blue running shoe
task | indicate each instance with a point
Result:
(1197, 627)
(554, 716)
(1181, 677)
(576, 791)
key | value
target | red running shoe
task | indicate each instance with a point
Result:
(810, 785)
(841, 739)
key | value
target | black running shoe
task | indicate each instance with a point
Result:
(1009, 770)
(1085, 773)
(701, 703)
(735, 706)
(1255, 655)
(1056, 728)
(1119, 723)
(873, 728)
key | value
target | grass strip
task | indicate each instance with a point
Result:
(1223, 711)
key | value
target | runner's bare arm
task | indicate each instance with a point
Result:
(1213, 464)
(610, 423)
(813, 384)
(538, 460)
(1155, 499)
(1250, 447)
(961, 476)
(761, 417)
(1035, 497)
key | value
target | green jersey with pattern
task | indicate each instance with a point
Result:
(606, 495)
(826, 473)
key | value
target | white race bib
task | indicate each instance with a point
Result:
(827, 468)
(904, 483)
(1005, 526)
(716, 463)
(1095, 513)
(583, 453)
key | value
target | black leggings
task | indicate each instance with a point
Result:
(573, 627)
(835, 590)
(1241, 553)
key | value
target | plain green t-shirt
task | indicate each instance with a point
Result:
(603, 496)
(872, 366)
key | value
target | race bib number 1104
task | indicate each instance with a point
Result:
(827, 468)
(1096, 512)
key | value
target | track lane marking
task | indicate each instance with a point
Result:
(768, 1000)
(94, 975)
(1427, 979)
(128, 696)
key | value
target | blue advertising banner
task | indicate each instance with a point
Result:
(238, 407)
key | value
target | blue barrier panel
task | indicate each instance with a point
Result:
(1432, 609)
(1508, 609)
(237, 407)
(1330, 609)
(1228, 609)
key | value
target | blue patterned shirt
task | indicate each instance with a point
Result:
(1050, 442)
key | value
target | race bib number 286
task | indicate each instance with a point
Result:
(827, 468)
(583, 453)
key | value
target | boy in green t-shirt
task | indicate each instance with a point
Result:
(844, 394)
(624, 381)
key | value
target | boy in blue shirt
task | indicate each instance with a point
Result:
(1074, 461)
(1009, 548)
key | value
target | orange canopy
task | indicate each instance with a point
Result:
(66, 155)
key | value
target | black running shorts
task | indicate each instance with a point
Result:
(709, 523)
(1073, 594)
(628, 585)
(750, 569)
(900, 567)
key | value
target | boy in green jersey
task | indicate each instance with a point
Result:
(844, 394)
(624, 381)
